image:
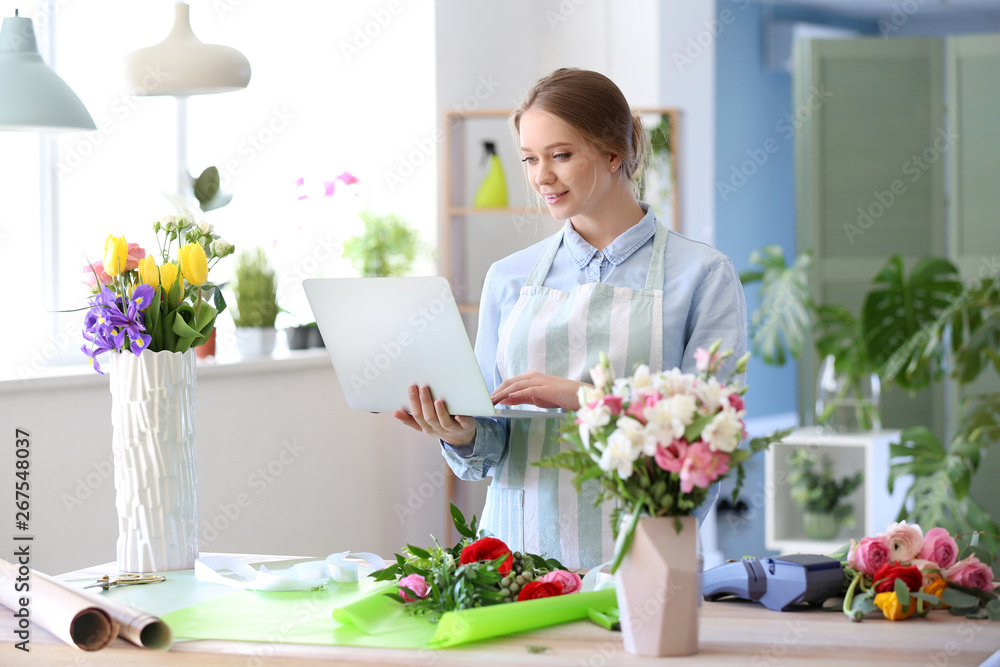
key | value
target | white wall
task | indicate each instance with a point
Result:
(317, 477)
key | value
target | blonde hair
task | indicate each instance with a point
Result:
(593, 105)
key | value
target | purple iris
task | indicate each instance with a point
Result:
(112, 319)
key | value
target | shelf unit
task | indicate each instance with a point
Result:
(874, 507)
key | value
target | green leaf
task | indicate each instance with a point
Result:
(418, 552)
(958, 599)
(902, 592)
(693, 431)
(783, 318)
(458, 519)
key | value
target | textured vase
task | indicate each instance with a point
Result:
(156, 474)
(658, 587)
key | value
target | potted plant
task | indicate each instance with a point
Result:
(821, 497)
(255, 287)
(387, 247)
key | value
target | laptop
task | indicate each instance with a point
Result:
(385, 334)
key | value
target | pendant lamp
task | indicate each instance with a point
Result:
(33, 97)
(183, 65)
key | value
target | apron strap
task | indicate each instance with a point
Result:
(544, 262)
(654, 276)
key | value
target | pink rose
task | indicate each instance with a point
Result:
(905, 541)
(98, 268)
(614, 404)
(868, 555)
(671, 457)
(939, 547)
(135, 253)
(570, 581)
(971, 573)
(415, 583)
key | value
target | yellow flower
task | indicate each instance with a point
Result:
(168, 276)
(891, 608)
(194, 263)
(937, 587)
(148, 273)
(115, 255)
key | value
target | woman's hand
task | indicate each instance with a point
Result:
(431, 417)
(540, 390)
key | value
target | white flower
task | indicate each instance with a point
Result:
(673, 382)
(205, 228)
(588, 395)
(641, 378)
(711, 394)
(671, 416)
(600, 376)
(724, 432)
(643, 441)
(170, 223)
(594, 418)
(618, 455)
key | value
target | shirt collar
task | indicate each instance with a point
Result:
(620, 249)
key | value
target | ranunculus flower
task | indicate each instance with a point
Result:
(135, 253)
(937, 587)
(892, 609)
(534, 590)
(415, 583)
(905, 540)
(971, 573)
(868, 555)
(97, 268)
(886, 576)
(115, 255)
(939, 547)
(487, 548)
(570, 581)
(194, 263)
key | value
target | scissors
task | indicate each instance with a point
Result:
(107, 582)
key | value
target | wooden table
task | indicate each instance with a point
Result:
(731, 633)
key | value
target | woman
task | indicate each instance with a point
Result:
(613, 280)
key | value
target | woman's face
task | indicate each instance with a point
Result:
(569, 172)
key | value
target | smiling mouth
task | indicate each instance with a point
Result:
(552, 198)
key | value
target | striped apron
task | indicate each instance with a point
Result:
(558, 333)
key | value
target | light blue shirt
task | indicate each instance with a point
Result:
(702, 302)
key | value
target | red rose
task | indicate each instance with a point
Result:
(533, 590)
(890, 572)
(487, 548)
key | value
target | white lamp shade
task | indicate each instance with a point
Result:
(32, 96)
(183, 65)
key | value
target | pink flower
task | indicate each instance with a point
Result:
(939, 547)
(905, 540)
(736, 401)
(570, 581)
(972, 573)
(614, 404)
(135, 253)
(705, 361)
(415, 583)
(929, 569)
(98, 268)
(868, 555)
(671, 457)
(702, 466)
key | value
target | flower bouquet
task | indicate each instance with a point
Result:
(656, 442)
(477, 572)
(139, 305)
(904, 572)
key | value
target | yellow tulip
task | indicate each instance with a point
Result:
(194, 264)
(892, 609)
(115, 255)
(149, 274)
(168, 276)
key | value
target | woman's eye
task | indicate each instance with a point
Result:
(561, 156)
(529, 160)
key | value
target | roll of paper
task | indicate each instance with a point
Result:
(52, 605)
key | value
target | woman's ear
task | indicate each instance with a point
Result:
(614, 163)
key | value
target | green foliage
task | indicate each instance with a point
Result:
(387, 247)
(782, 321)
(453, 586)
(817, 490)
(256, 289)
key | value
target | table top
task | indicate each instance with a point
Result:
(730, 633)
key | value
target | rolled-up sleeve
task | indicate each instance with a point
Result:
(477, 460)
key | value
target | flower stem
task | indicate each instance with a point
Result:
(855, 616)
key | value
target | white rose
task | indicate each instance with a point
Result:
(724, 432)
(205, 229)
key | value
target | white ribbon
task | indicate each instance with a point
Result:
(300, 577)
(596, 580)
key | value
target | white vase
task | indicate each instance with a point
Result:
(658, 586)
(255, 341)
(156, 474)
